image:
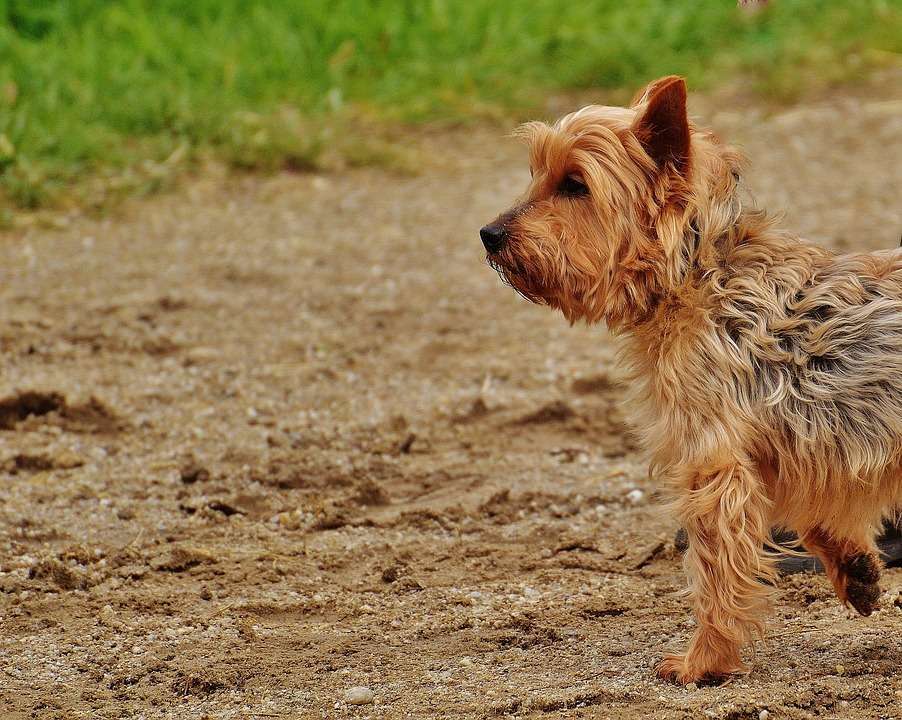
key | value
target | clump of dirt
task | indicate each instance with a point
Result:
(603, 609)
(370, 493)
(206, 683)
(476, 410)
(594, 385)
(80, 554)
(225, 508)
(62, 575)
(41, 462)
(299, 470)
(93, 416)
(192, 471)
(391, 573)
(525, 632)
(16, 408)
(180, 559)
(554, 412)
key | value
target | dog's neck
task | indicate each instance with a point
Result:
(708, 245)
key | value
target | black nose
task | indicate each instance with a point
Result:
(493, 237)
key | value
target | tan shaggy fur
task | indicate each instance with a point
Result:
(767, 370)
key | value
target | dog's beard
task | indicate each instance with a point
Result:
(540, 285)
(515, 276)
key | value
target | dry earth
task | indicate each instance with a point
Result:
(268, 439)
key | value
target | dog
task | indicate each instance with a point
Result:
(765, 371)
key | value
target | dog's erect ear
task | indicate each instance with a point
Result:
(645, 93)
(662, 125)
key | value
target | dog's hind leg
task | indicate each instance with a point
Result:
(725, 511)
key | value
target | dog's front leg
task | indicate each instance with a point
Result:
(724, 509)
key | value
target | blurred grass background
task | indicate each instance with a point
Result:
(102, 98)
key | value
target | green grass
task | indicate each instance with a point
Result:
(106, 97)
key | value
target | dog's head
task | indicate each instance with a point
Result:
(594, 234)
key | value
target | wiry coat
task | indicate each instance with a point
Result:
(767, 371)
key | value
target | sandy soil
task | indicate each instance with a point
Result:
(268, 439)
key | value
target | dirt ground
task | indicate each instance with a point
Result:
(268, 439)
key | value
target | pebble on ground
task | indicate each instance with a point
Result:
(359, 695)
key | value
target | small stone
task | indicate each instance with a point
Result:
(692, 687)
(546, 553)
(763, 715)
(289, 520)
(840, 670)
(201, 355)
(133, 571)
(67, 460)
(635, 496)
(359, 695)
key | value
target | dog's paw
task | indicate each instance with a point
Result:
(862, 574)
(675, 668)
(671, 668)
(678, 669)
(864, 597)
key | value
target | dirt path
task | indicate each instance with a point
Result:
(291, 436)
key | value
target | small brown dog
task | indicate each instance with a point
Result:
(767, 371)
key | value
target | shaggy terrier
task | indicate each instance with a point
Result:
(767, 371)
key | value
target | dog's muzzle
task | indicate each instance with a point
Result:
(493, 237)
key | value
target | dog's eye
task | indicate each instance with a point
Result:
(573, 186)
